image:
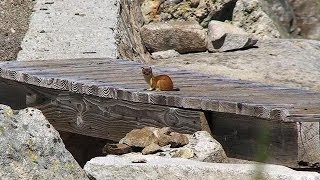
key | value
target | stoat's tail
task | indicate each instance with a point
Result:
(175, 89)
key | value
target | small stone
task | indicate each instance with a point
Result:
(178, 140)
(140, 138)
(185, 153)
(165, 54)
(164, 140)
(194, 3)
(116, 149)
(151, 149)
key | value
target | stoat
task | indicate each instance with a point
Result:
(158, 83)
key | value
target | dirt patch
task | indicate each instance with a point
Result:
(14, 22)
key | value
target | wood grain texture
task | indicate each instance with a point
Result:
(286, 143)
(119, 79)
(108, 118)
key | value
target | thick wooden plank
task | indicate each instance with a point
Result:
(109, 118)
(283, 143)
(122, 80)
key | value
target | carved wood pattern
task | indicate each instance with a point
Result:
(119, 79)
(109, 118)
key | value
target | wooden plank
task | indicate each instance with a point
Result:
(285, 143)
(109, 118)
(122, 80)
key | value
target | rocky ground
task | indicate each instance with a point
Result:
(14, 18)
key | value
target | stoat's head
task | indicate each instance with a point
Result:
(146, 71)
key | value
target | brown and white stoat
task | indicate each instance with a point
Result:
(158, 83)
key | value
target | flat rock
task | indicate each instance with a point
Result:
(116, 149)
(71, 29)
(183, 37)
(155, 167)
(289, 62)
(30, 148)
(151, 148)
(229, 42)
(140, 138)
(165, 54)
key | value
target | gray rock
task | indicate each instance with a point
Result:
(30, 148)
(184, 37)
(281, 62)
(282, 13)
(201, 147)
(307, 13)
(206, 148)
(155, 167)
(230, 42)
(71, 29)
(201, 11)
(224, 37)
(165, 54)
(250, 16)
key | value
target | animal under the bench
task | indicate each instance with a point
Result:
(158, 83)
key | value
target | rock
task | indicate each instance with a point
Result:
(307, 13)
(165, 54)
(184, 37)
(164, 140)
(30, 148)
(282, 13)
(201, 11)
(224, 37)
(291, 63)
(149, 9)
(151, 148)
(230, 42)
(185, 153)
(250, 16)
(155, 167)
(194, 3)
(201, 147)
(140, 138)
(178, 140)
(206, 148)
(116, 149)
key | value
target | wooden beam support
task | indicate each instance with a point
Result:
(286, 143)
(108, 118)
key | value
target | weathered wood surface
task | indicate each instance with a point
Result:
(118, 79)
(285, 143)
(104, 117)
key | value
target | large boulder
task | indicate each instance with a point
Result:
(183, 37)
(154, 167)
(251, 16)
(201, 11)
(30, 148)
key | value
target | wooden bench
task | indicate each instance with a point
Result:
(106, 98)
